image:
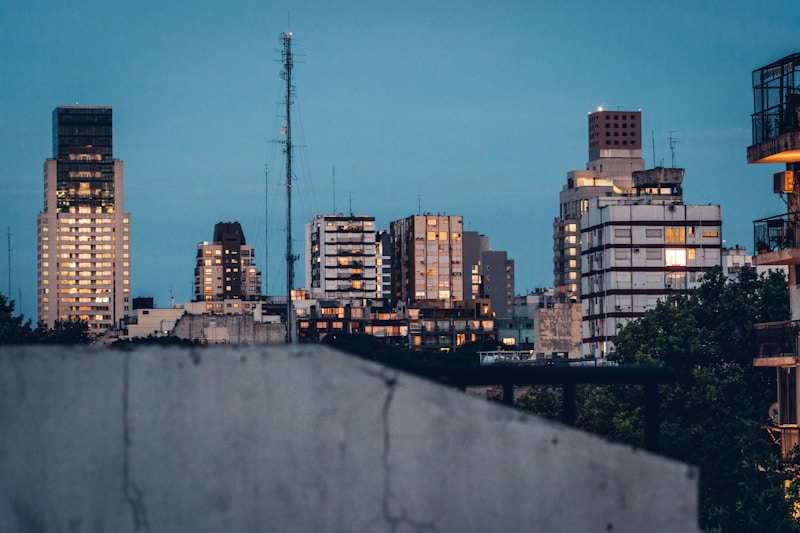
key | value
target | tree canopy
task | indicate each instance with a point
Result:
(17, 330)
(713, 415)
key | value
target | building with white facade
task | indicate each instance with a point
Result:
(640, 249)
(83, 233)
(342, 258)
(427, 260)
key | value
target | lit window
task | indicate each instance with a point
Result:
(675, 257)
(711, 234)
(676, 235)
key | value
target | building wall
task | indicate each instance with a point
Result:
(83, 233)
(427, 262)
(635, 253)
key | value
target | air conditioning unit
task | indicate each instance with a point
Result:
(783, 182)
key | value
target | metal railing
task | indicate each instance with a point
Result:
(774, 233)
(776, 339)
(649, 377)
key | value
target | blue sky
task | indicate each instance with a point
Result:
(458, 108)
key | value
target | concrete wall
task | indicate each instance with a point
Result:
(299, 439)
(228, 329)
(558, 329)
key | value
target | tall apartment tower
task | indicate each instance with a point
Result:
(427, 260)
(615, 153)
(83, 233)
(341, 255)
(226, 267)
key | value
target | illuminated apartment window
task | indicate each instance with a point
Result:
(675, 257)
(710, 234)
(675, 235)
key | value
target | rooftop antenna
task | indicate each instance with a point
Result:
(288, 64)
(672, 142)
(653, 139)
(264, 277)
(350, 199)
(8, 234)
(419, 204)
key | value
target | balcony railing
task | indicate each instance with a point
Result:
(649, 377)
(777, 339)
(775, 233)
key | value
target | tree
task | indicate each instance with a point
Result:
(70, 331)
(17, 330)
(13, 329)
(713, 415)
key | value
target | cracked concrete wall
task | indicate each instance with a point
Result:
(299, 438)
(558, 329)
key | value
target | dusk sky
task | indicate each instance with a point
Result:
(459, 108)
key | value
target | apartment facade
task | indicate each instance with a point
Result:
(225, 268)
(427, 260)
(83, 233)
(636, 251)
(342, 258)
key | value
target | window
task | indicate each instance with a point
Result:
(653, 233)
(653, 254)
(676, 235)
(622, 232)
(675, 257)
(711, 234)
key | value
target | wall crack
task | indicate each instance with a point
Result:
(395, 520)
(133, 495)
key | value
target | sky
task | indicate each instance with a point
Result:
(402, 107)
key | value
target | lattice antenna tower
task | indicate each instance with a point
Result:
(287, 58)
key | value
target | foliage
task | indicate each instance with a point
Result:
(151, 340)
(13, 329)
(17, 330)
(713, 415)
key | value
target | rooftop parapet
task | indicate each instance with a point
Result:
(658, 177)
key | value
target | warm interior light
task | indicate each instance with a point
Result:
(787, 156)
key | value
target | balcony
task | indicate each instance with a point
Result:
(777, 341)
(775, 242)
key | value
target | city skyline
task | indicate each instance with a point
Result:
(408, 102)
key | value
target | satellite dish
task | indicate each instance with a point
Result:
(774, 413)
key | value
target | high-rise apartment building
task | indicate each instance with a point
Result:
(615, 153)
(427, 260)
(639, 249)
(225, 268)
(83, 233)
(341, 256)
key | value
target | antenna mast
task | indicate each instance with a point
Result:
(8, 234)
(672, 142)
(264, 278)
(288, 64)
